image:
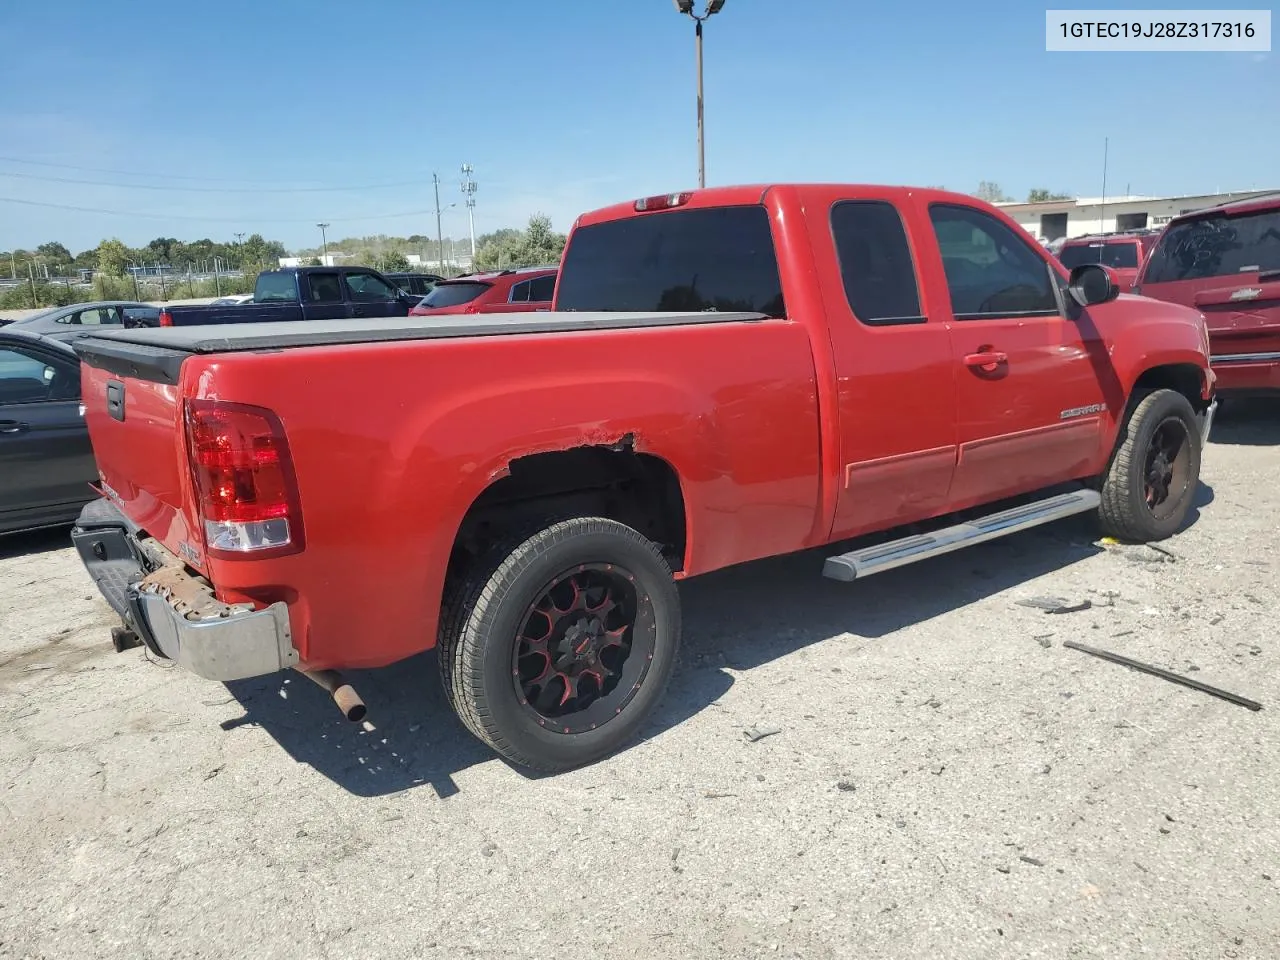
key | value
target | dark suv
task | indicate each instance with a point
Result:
(1124, 253)
(1225, 262)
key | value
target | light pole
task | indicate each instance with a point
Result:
(324, 242)
(469, 191)
(239, 249)
(686, 7)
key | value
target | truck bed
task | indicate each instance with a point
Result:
(156, 353)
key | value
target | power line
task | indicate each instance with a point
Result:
(165, 186)
(242, 219)
(132, 173)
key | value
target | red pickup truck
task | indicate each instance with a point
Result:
(728, 374)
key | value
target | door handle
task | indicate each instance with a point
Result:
(14, 426)
(986, 360)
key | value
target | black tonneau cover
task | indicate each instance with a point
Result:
(156, 353)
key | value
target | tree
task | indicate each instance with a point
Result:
(310, 262)
(1040, 195)
(538, 244)
(54, 253)
(113, 256)
(991, 192)
(395, 262)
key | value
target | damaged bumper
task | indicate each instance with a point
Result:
(174, 612)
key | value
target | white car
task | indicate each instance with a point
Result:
(231, 301)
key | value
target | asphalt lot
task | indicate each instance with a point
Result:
(947, 779)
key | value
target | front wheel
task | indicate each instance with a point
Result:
(559, 645)
(1151, 481)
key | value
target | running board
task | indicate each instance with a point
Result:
(857, 564)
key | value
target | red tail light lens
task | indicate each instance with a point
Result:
(166, 318)
(664, 201)
(242, 470)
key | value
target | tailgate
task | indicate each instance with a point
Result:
(136, 426)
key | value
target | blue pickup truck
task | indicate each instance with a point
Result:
(301, 293)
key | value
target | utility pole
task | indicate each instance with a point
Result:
(1102, 209)
(324, 241)
(469, 191)
(435, 180)
(686, 7)
(32, 278)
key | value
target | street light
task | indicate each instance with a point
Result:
(324, 242)
(685, 7)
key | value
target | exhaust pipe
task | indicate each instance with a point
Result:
(344, 695)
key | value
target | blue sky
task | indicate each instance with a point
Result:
(566, 105)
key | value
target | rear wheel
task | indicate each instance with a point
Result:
(559, 644)
(1151, 481)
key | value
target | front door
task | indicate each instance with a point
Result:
(46, 459)
(371, 296)
(1030, 405)
(892, 355)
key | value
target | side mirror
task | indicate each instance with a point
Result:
(1091, 284)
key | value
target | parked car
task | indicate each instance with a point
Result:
(79, 319)
(235, 298)
(418, 284)
(302, 293)
(729, 374)
(1124, 253)
(46, 460)
(1225, 262)
(505, 291)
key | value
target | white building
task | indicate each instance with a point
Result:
(1053, 219)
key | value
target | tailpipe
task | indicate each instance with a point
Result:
(344, 695)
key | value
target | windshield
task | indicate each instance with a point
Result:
(1107, 254)
(452, 294)
(1217, 246)
(718, 258)
(276, 288)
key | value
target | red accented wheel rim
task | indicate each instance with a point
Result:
(584, 648)
(1168, 467)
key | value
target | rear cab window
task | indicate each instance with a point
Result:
(1217, 245)
(685, 261)
(276, 288)
(1110, 254)
(454, 293)
(875, 262)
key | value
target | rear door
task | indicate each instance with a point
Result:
(542, 291)
(46, 459)
(323, 295)
(517, 300)
(893, 362)
(372, 296)
(1029, 402)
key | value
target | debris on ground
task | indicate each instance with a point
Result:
(215, 771)
(1165, 674)
(759, 733)
(1044, 640)
(844, 786)
(1055, 604)
(1031, 860)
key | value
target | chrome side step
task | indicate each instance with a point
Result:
(857, 564)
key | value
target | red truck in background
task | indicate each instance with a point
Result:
(1225, 262)
(728, 374)
(1124, 253)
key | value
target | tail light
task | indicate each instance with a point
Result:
(246, 489)
(166, 318)
(664, 201)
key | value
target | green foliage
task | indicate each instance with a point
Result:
(310, 262)
(113, 257)
(1040, 195)
(395, 262)
(991, 192)
(536, 245)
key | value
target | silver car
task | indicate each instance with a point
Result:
(82, 319)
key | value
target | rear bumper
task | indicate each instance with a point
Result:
(174, 612)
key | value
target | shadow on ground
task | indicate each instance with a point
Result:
(1252, 422)
(35, 541)
(737, 618)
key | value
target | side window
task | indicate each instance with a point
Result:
(875, 262)
(27, 377)
(542, 289)
(991, 271)
(96, 317)
(519, 293)
(324, 287)
(365, 286)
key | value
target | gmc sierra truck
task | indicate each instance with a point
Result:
(727, 374)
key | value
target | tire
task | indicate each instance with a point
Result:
(503, 677)
(1132, 508)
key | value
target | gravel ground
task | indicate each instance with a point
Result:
(946, 780)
